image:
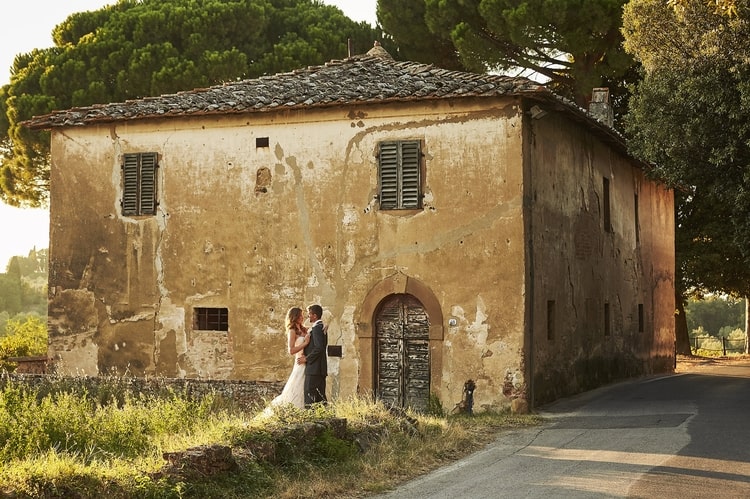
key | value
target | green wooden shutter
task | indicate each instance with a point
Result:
(410, 174)
(139, 184)
(130, 185)
(388, 163)
(399, 175)
(148, 184)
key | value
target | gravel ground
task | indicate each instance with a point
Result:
(691, 364)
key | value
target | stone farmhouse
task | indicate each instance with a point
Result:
(453, 226)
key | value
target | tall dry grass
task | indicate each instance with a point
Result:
(68, 443)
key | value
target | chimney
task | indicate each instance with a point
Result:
(378, 51)
(600, 107)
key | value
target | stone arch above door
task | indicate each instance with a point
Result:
(398, 284)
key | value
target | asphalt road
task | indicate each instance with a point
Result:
(680, 436)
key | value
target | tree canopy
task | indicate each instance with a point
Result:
(575, 44)
(690, 118)
(717, 315)
(404, 21)
(724, 7)
(23, 287)
(139, 48)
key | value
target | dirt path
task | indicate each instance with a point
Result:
(688, 364)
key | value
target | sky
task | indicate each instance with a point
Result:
(24, 229)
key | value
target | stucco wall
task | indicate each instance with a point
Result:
(583, 274)
(261, 229)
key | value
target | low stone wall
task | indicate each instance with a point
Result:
(30, 365)
(243, 395)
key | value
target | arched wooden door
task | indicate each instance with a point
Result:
(403, 352)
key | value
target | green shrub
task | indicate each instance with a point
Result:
(434, 406)
(28, 338)
(75, 423)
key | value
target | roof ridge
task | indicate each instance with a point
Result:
(358, 79)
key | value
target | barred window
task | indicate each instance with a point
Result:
(400, 175)
(139, 184)
(210, 319)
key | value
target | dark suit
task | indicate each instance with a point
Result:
(316, 367)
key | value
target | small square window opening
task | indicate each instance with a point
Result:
(211, 319)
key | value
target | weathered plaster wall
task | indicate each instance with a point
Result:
(261, 229)
(583, 268)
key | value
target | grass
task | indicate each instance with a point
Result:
(716, 353)
(62, 443)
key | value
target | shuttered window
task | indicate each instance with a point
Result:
(139, 184)
(400, 175)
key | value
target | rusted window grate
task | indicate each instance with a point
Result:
(211, 319)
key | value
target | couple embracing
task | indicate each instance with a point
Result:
(307, 382)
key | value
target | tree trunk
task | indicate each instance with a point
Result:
(747, 325)
(682, 338)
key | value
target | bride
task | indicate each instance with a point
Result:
(297, 340)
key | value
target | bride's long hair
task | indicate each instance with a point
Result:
(291, 317)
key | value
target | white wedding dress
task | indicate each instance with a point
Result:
(294, 389)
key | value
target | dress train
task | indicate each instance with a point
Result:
(294, 389)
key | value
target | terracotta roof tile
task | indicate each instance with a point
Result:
(355, 80)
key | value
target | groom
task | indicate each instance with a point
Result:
(315, 359)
